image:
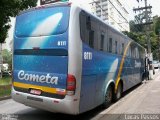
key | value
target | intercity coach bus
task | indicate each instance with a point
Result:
(67, 60)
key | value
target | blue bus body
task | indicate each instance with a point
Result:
(57, 68)
(36, 51)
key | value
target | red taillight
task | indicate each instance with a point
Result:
(71, 84)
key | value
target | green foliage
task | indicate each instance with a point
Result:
(139, 38)
(154, 44)
(140, 18)
(157, 26)
(6, 92)
(136, 25)
(7, 57)
(5, 86)
(138, 32)
(5, 81)
(10, 8)
(135, 28)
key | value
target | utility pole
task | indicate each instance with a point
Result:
(147, 21)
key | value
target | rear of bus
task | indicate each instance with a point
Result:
(40, 60)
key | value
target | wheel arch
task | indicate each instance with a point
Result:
(110, 83)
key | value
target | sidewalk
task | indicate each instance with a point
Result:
(143, 100)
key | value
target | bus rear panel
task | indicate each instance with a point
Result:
(40, 59)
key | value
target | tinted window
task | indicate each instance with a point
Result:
(91, 38)
(122, 48)
(102, 42)
(133, 52)
(116, 47)
(110, 44)
(88, 29)
(42, 22)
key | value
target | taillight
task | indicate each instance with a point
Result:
(71, 84)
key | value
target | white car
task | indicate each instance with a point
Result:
(155, 64)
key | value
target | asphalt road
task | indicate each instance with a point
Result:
(11, 109)
(142, 99)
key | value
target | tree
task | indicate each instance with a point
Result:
(7, 57)
(136, 25)
(157, 26)
(137, 37)
(10, 8)
(139, 19)
(137, 33)
(133, 27)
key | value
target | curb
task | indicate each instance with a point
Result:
(5, 98)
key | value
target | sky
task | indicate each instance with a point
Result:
(84, 3)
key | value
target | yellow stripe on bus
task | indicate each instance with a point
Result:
(121, 66)
(42, 88)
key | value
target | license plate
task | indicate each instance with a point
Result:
(35, 92)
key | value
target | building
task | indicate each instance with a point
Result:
(113, 12)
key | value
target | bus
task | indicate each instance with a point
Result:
(67, 60)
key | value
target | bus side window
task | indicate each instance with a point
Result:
(91, 38)
(122, 49)
(133, 52)
(141, 54)
(102, 42)
(129, 52)
(83, 27)
(92, 29)
(110, 45)
(137, 53)
(116, 47)
(87, 26)
(106, 42)
(88, 23)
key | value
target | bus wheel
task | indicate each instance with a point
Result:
(108, 97)
(118, 94)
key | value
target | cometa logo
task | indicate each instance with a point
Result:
(38, 78)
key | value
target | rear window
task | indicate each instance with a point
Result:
(43, 22)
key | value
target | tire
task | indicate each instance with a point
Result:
(108, 97)
(118, 94)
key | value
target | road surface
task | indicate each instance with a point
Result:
(142, 99)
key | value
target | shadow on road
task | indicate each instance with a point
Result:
(45, 115)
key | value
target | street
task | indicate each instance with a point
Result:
(142, 99)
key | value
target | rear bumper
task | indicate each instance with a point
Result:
(68, 105)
